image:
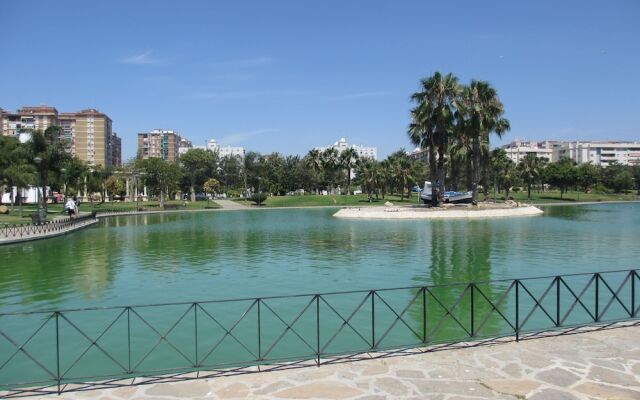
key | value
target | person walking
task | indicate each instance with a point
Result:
(71, 207)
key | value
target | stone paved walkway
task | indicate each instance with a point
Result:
(231, 205)
(603, 364)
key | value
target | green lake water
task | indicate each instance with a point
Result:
(170, 258)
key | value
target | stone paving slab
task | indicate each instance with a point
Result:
(603, 364)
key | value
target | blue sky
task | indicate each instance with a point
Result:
(288, 76)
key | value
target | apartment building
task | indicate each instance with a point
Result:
(601, 152)
(363, 151)
(26, 119)
(88, 133)
(518, 149)
(596, 152)
(224, 151)
(159, 143)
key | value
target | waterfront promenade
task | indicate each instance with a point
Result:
(600, 364)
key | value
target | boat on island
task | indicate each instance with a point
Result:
(449, 197)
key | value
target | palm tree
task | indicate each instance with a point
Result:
(49, 153)
(421, 134)
(439, 96)
(313, 160)
(479, 113)
(330, 164)
(529, 170)
(367, 174)
(348, 159)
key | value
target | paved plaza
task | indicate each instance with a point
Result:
(601, 364)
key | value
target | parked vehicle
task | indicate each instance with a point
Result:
(449, 197)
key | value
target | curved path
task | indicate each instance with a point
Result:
(232, 205)
(601, 364)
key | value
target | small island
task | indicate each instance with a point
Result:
(482, 210)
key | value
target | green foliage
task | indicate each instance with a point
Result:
(258, 198)
(618, 178)
(561, 174)
(115, 185)
(211, 186)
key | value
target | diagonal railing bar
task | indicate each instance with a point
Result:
(538, 302)
(93, 342)
(398, 317)
(449, 312)
(289, 327)
(494, 307)
(163, 337)
(615, 294)
(20, 348)
(578, 299)
(229, 331)
(346, 322)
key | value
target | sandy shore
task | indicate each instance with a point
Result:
(437, 213)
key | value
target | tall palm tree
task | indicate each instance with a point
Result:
(439, 94)
(330, 164)
(367, 174)
(480, 113)
(348, 159)
(421, 134)
(313, 161)
(529, 170)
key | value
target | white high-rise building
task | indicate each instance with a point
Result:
(224, 151)
(595, 152)
(363, 151)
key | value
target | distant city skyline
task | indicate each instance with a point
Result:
(291, 76)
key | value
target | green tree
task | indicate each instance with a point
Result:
(479, 113)
(618, 177)
(402, 167)
(367, 171)
(588, 176)
(348, 159)
(115, 186)
(49, 155)
(196, 163)
(561, 174)
(529, 170)
(437, 102)
(161, 177)
(8, 147)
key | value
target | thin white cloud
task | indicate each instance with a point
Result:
(223, 95)
(362, 95)
(243, 136)
(140, 59)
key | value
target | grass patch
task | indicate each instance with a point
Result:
(569, 197)
(57, 210)
(313, 200)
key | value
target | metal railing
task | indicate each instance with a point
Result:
(57, 225)
(51, 349)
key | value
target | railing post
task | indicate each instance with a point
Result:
(471, 286)
(373, 320)
(58, 351)
(424, 314)
(597, 316)
(557, 301)
(195, 320)
(318, 329)
(259, 334)
(129, 339)
(517, 310)
(633, 293)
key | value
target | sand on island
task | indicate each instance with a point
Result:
(482, 211)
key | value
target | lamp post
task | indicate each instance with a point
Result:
(259, 192)
(40, 210)
(64, 182)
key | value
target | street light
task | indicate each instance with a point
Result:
(259, 192)
(64, 178)
(41, 218)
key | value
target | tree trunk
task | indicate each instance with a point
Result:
(193, 189)
(45, 181)
(475, 159)
(433, 176)
(441, 177)
(528, 191)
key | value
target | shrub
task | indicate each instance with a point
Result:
(258, 198)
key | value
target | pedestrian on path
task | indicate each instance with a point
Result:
(71, 207)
